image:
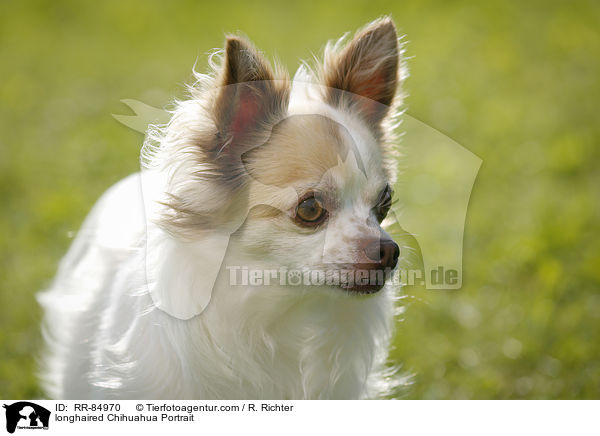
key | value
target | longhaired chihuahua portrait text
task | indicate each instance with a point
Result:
(248, 259)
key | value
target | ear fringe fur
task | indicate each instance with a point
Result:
(315, 71)
(184, 148)
(187, 151)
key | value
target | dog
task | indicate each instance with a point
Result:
(248, 259)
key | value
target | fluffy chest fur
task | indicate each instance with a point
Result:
(272, 342)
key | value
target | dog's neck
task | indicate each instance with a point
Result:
(270, 341)
(289, 342)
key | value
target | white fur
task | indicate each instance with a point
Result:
(106, 337)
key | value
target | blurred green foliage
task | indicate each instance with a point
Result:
(514, 82)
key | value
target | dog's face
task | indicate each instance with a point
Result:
(320, 193)
(306, 163)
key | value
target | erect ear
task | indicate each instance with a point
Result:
(250, 96)
(367, 69)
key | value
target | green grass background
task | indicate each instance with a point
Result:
(515, 82)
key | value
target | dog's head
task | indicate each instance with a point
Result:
(300, 171)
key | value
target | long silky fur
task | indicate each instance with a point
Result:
(106, 339)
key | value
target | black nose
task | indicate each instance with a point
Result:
(383, 251)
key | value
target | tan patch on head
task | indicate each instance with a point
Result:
(264, 211)
(301, 148)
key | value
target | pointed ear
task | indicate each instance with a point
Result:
(250, 96)
(367, 68)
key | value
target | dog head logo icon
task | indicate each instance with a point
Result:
(26, 415)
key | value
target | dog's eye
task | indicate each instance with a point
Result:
(310, 211)
(383, 204)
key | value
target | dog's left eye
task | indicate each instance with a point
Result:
(383, 204)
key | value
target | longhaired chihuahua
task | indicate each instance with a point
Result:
(247, 260)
